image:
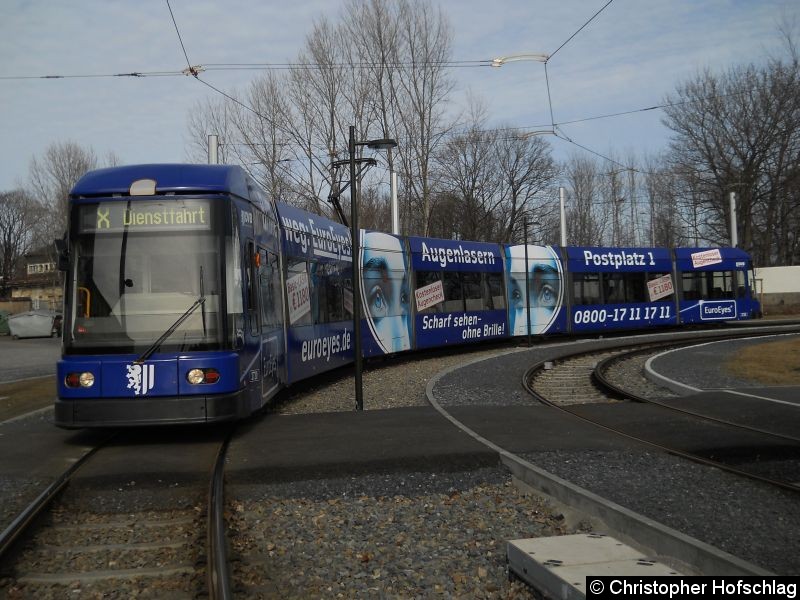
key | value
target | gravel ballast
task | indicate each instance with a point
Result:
(393, 534)
(744, 518)
(413, 535)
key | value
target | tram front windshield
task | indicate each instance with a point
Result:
(138, 266)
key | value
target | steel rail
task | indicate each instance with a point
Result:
(600, 379)
(27, 516)
(218, 571)
(531, 371)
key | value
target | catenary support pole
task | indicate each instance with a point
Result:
(562, 193)
(213, 149)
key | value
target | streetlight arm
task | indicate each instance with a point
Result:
(383, 144)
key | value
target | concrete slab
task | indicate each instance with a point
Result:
(557, 567)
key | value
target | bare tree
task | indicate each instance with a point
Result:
(665, 225)
(740, 132)
(381, 68)
(51, 177)
(527, 175)
(212, 117)
(265, 151)
(372, 27)
(466, 170)
(585, 225)
(19, 214)
(423, 86)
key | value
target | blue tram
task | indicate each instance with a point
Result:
(190, 297)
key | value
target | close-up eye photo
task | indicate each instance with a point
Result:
(377, 302)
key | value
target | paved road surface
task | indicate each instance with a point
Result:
(29, 357)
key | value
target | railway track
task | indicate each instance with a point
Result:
(574, 383)
(94, 531)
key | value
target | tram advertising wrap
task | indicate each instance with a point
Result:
(545, 287)
(385, 294)
(459, 291)
(192, 297)
(714, 284)
(621, 288)
(318, 268)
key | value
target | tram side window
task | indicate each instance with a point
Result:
(694, 286)
(326, 288)
(425, 278)
(330, 292)
(621, 288)
(636, 287)
(275, 276)
(465, 291)
(723, 285)
(614, 288)
(269, 298)
(586, 288)
(494, 281)
(234, 281)
(739, 284)
(293, 269)
(252, 292)
(472, 287)
(453, 295)
(654, 276)
(347, 297)
(708, 285)
(319, 299)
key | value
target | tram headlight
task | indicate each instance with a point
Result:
(202, 376)
(76, 380)
(195, 376)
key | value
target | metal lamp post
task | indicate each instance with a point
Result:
(383, 144)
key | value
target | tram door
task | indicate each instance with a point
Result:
(271, 322)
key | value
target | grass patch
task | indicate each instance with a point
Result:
(770, 363)
(23, 397)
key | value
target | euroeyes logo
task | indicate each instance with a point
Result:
(721, 309)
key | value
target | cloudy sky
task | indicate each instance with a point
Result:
(630, 57)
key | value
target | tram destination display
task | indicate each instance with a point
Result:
(115, 217)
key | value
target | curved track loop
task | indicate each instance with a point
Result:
(529, 375)
(609, 386)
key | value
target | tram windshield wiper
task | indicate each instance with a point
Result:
(187, 313)
(149, 352)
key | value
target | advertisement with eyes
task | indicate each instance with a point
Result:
(459, 294)
(384, 294)
(545, 288)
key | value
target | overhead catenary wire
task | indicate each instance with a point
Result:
(581, 28)
(480, 63)
(180, 39)
(95, 75)
(194, 71)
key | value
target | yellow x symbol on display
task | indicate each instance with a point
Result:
(102, 217)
